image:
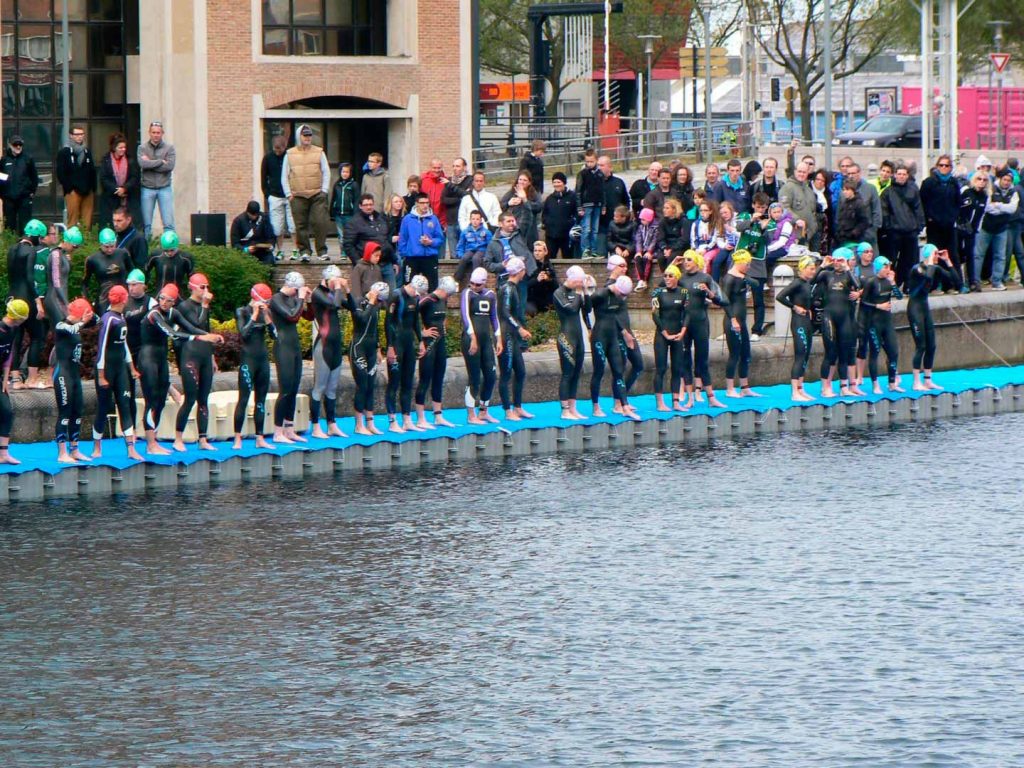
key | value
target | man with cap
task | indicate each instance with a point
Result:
(559, 216)
(306, 180)
(156, 159)
(251, 232)
(170, 264)
(76, 174)
(19, 181)
(109, 266)
(15, 314)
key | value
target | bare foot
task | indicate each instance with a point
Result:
(441, 421)
(475, 420)
(574, 414)
(897, 388)
(661, 406)
(79, 456)
(179, 446)
(373, 428)
(283, 439)
(396, 428)
(157, 450)
(929, 384)
(64, 458)
(295, 437)
(363, 431)
(714, 402)
(237, 444)
(748, 392)
(617, 409)
(410, 425)
(845, 392)
(567, 415)
(318, 433)
(512, 416)
(919, 388)
(598, 412)
(261, 442)
(334, 431)
(524, 414)
(204, 445)
(855, 390)
(134, 454)
(6, 458)
(733, 393)
(684, 405)
(802, 396)
(486, 416)
(876, 389)
(630, 413)
(424, 425)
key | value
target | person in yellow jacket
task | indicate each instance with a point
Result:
(306, 178)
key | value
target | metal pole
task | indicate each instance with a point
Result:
(926, 85)
(65, 69)
(708, 107)
(953, 100)
(607, 57)
(827, 34)
(474, 25)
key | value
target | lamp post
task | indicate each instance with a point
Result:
(704, 6)
(649, 52)
(997, 39)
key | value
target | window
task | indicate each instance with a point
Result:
(324, 27)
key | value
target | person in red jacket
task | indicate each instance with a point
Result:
(432, 183)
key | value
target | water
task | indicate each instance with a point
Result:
(830, 600)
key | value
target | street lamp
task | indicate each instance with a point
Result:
(649, 52)
(704, 6)
(997, 39)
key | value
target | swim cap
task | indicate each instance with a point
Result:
(117, 295)
(742, 256)
(169, 240)
(169, 291)
(863, 248)
(108, 236)
(646, 215)
(73, 236)
(673, 271)
(79, 307)
(696, 257)
(928, 251)
(448, 285)
(135, 276)
(515, 265)
(330, 272)
(197, 280)
(880, 263)
(420, 283)
(261, 292)
(575, 272)
(615, 261)
(479, 276)
(842, 254)
(805, 262)
(18, 309)
(623, 285)
(35, 228)
(294, 280)
(382, 289)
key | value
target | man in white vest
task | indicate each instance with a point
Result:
(306, 177)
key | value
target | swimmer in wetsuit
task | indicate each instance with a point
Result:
(604, 346)
(328, 351)
(934, 265)
(16, 314)
(668, 308)
(364, 353)
(287, 307)
(877, 299)
(797, 296)
(632, 355)
(571, 303)
(20, 285)
(481, 342)
(737, 335)
(114, 367)
(110, 266)
(837, 289)
(67, 379)
(433, 309)
(403, 333)
(701, 292)
(54, 303)
(197, 364)
(514, 336)
(135, 309)
(254, 323)
(169, 264)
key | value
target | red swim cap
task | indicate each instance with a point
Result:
(261, 292)
(169, 291)
(117, 295)
(197, 280)
(78, 308)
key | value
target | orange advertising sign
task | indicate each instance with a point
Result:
(503, 92)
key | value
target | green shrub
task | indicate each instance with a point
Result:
(544, 327)
(231, 274)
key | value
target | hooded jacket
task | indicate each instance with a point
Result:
(415, 226)
(901, 208)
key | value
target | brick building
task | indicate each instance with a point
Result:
(225, 76)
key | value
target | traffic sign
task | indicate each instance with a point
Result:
(999, 60)
(719, 62)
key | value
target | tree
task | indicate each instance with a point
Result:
(791, 38)
(645, 17)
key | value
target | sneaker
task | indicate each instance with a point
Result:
(998, 287)
(305, 258)
(976, 288)
(279, 256)
(294, 256)
(952, 292)
(964, 289)
(586, 255)
(641, 285)
(323, 257)
(755, 337)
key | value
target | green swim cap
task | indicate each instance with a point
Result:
(169, 240)
(108, 237)
(35, 228)
(136, 276)
(73, 236)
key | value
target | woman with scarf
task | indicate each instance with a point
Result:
(119, 182)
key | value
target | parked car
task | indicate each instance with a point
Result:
(885, 131)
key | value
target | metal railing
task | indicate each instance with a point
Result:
(637, 143)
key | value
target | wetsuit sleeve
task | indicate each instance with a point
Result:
(157, 318)
(494, 313)
(391, 321)
(784, 297)
(467, 323)
(89, 270)
(247, 326)
(101, 344)
(504, 306)
(417, 326)
(284, 307)
(656, 309)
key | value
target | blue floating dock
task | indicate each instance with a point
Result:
(965, 393)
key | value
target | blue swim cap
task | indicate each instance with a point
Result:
(863, 248)
(880, 263)
(842, 253)
(928, 251)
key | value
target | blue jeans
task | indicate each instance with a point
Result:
(164, 197)
(590, 223)
(390, 273)
(1014, 248)
(339, 224)
(997, 241)
(452, 234)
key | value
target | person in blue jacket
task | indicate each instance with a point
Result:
(420, 240)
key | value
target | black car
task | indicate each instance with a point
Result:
(884, 131)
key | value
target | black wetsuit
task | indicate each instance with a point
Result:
(67, 380)
(109, 270)
(364, 352)
(920, 282)
(604, 344)
(403, 333)
(58, 268)
(175, 269)
(7, 339)
(286, 312)
(634, 358)
(254, 370)
(881, 334)
(512, 370)
(668, 307)
(133, 313)
(697, 342)
(734, 291)
(479, 313)
(570, 305)
(433, 314)
(837, 327)
(155, 329)
(196, 367)
(20, 264)
(113, 361)
(799, 294)
(328, 352)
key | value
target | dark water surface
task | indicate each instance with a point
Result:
(848, 599)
